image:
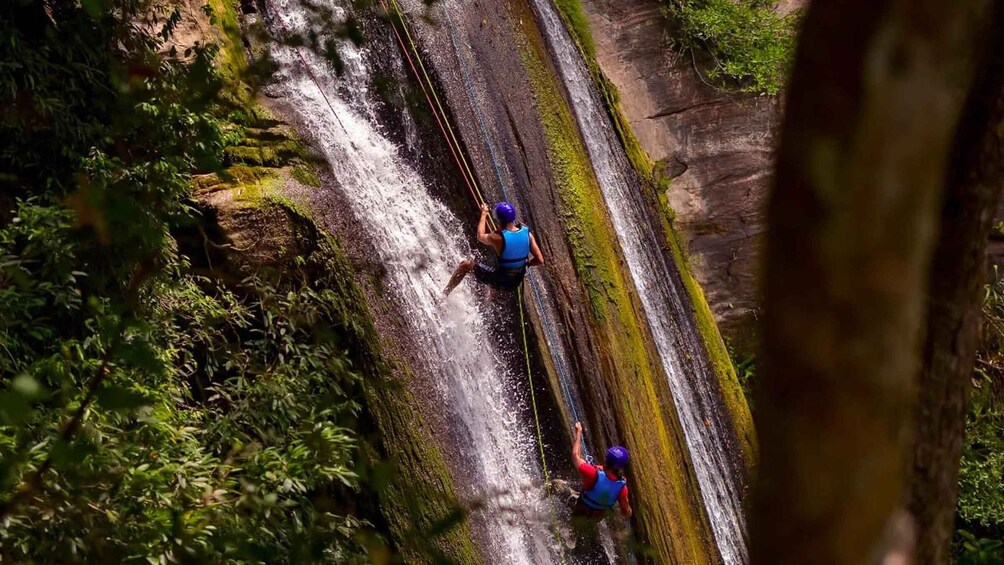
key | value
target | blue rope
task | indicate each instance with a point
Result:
(558, 362)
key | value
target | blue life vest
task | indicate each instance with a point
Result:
(604, 493)
(515, 249)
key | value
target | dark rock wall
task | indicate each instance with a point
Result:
(614, 366)
(995, 247)
(715, 145)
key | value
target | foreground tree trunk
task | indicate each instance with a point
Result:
(959, 271)
(873, 104)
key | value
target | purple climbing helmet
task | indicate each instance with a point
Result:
(505, 213)
(617, 457)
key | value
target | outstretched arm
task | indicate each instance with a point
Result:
(536, 257)
(577, 445)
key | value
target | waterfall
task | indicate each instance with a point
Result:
(697, 395)
(418, 240)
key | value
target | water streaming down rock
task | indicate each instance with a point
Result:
(385, 195)
(697, 395)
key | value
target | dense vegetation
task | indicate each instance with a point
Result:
(152, 408)
(751, 47)
(981, 478)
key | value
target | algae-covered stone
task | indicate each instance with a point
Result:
(670, 514)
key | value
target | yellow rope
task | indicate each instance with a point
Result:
(536, 421)
(439, 105)
(526, 346)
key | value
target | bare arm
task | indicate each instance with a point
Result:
(625, 504)
(483, 233)
(536, 257)
(577, 445)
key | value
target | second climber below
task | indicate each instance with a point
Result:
(514, 245)
(603, 487)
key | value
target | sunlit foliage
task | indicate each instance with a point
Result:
(751, 46)
(147, 410)
(981, 478)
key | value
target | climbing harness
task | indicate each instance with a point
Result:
(409, 48)
(534, 290)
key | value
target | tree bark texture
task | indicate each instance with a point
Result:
(958, 273)
(876, 94)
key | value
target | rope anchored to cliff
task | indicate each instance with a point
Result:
(412, 56)
(411, 53)
(533, 283)
(535, 291)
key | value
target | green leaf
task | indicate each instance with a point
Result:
(67, 454)
(94, 8)
(14, 408)
(121, 398)
(139, 354)
(28, 387)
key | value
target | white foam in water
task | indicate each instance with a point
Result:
(695, 395)
(387, 195)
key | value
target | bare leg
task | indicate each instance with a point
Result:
(562, 488)
(462, 269)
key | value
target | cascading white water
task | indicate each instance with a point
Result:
(386, 196)
(696, 395)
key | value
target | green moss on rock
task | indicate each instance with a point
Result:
(401, 463)
(232, 61)
(274, 154)
(306, 175)
(732, 394)
(577, 23)
(669, 513)
(732, 390)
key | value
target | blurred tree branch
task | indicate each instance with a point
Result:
(877, 91)
(958, 275)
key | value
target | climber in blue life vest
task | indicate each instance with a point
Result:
(603, 486)
(514, 245)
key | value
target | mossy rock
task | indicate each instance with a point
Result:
(401, 465)
(265, 154)
(669, 514)
(306, 175)
(658, 179)
(260, 228)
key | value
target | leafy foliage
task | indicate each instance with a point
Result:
(751, 46)
(978, 551)
(148, 410)
(981, 478)
(746, 372)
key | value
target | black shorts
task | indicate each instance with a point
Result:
(580, 510)
(502, 279)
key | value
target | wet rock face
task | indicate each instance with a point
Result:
(716, 146)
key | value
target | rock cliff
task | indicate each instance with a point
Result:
(715, 146)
